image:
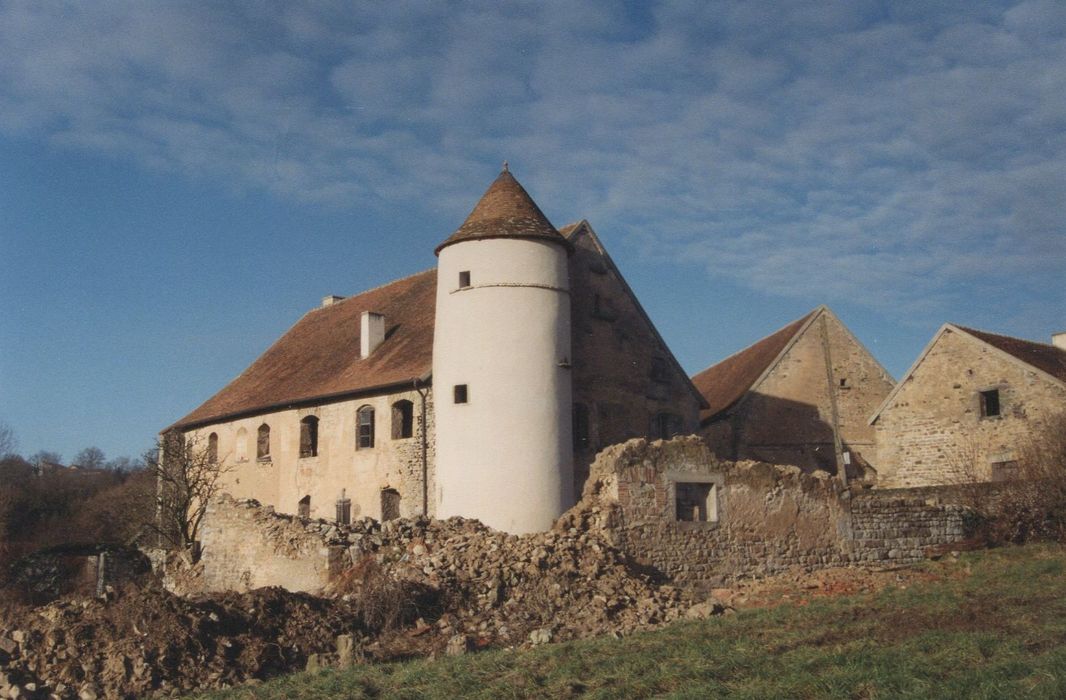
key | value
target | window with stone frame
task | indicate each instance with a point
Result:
(262, 443)
(403, 419)
(364, 423)
(309, 437)
(990, 405)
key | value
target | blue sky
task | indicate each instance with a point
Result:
(179, 182)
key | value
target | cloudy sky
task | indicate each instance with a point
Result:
(179, 182)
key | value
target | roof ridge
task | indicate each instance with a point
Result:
(374, 289)
(765, 337)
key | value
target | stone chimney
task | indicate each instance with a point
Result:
(331, 300)
(371, 333)
(1059, 340)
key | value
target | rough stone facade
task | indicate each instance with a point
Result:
(362, 474)
(626, 382)
(759, 519)
(932, 431)
(824, 377)
(762, 518)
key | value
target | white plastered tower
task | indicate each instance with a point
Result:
(501, 366)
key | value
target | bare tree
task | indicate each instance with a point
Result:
(91, 458)
(188, 477)
(8, 441)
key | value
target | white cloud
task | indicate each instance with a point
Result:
(849, 152)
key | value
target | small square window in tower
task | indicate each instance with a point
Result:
(990, 403)
(464, 279)
(460, 393)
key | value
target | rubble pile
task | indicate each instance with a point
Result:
(146, 640)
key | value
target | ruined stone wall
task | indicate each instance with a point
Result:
(933, 431)
(622, 373)
(788, 416)
(245, 547)
(769, 518)
(361, 474)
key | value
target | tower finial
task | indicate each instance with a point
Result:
(505, 167)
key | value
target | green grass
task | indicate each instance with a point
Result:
(999, 632)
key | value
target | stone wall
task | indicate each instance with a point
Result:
(769, 518)
(787, 418)
(933, 432)
(623, 374)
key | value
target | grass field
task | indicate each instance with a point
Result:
(990, 625)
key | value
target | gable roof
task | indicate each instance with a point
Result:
(318, 358)
(505, 211)
(1046, 359)
(725, 383)
(570, 232)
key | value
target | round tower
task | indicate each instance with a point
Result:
(501, 366)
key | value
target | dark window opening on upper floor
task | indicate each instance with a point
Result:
(403, 413)
(262, 443)
(212, 448)
(665, 426)
(309, 437)
(464, 279)
(990, 403)
(461, 395)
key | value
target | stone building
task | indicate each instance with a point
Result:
(967, 406)
(800, 396)
(543, 352)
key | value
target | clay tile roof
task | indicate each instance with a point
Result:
(725, 383)
(505, 211)
(1047, 358)
(318, 357)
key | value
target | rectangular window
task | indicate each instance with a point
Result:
(460, 393)
(464, 279)
(696, 502)
(990, 403)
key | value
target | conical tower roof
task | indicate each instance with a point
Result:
(506, 211)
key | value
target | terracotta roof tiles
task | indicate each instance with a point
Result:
(319, 358)
(1047, 358)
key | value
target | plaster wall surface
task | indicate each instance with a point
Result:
(504, 455)
(361, 473)
(933, 431)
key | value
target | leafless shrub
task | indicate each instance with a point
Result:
(384, 602)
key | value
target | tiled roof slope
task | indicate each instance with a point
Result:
(319, 356)
(1047, 358)
(725, 383)
(505, 211)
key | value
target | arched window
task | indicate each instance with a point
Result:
(403, 414)
(581, 427)
(212, 448)
(303, 508)
(242, 445)
(262, 443)
(364, 422)
(309, 437)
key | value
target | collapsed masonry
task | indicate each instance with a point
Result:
(670, 505)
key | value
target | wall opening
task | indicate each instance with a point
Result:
(390, 504)
(212, 448)
(460, 393)
(364, 419)
(309, 437)
(464, 279)
(303, 508)
(403, 413)
(990, 403)
(696, 502)
(262, 443)
(242, 445)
